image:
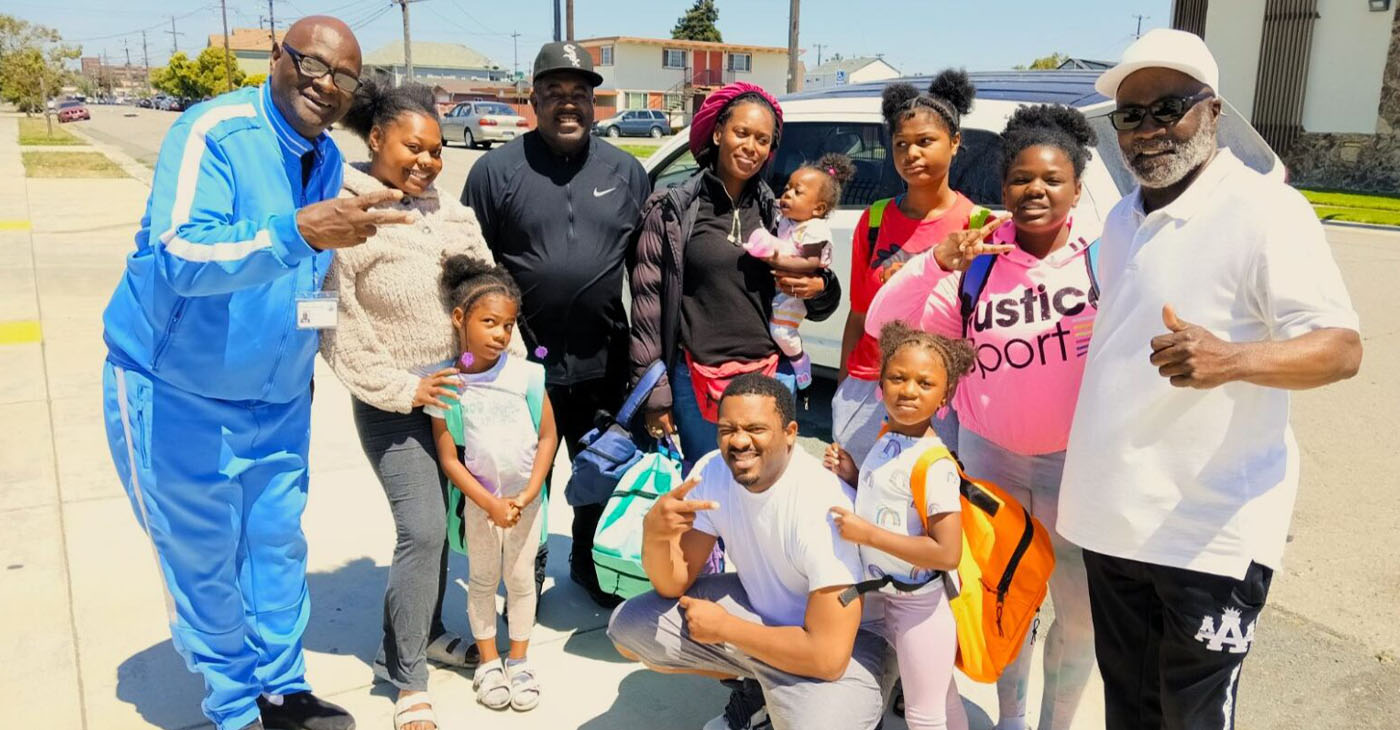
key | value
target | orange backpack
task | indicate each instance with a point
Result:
(1003, 575)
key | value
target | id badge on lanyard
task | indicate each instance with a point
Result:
(317, 310)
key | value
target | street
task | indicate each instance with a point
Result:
(86, 633)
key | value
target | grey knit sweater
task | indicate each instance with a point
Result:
(393, 320)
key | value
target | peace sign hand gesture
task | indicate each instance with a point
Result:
(957, 251)
(344, 222)
(673, 515)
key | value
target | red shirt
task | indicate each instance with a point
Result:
(898, 239)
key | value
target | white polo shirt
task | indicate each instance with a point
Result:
(1198, 479)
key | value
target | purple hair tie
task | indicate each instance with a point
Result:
(467, 359)
(541, 352)
(831, 171)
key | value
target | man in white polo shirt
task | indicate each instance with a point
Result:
(1219, 296)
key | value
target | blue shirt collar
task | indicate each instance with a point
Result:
(291, 140)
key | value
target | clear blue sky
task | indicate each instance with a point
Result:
(914, 35)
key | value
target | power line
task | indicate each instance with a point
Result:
(137, 31)
(376, 15)
(174, 36)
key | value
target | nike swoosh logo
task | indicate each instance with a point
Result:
(600, 193)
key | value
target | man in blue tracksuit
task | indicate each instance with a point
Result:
(211, 335)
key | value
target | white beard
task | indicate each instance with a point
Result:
(1190, 155)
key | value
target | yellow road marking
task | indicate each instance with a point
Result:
(20, 332)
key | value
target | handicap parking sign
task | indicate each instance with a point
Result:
(840, 77)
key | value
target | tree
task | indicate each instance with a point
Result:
(32, 60)
(204, 76)
(1046, 63)
(698, 23)
(255, 80)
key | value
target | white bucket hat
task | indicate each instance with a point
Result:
(1163, 48)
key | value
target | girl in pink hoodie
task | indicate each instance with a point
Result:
(1023, 291)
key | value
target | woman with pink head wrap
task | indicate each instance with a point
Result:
(700, 303)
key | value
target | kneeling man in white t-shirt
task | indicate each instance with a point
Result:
(780, 619)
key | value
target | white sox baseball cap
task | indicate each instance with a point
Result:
(1163, 48)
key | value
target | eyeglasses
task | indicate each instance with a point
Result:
(314, 68)
(1166, 111)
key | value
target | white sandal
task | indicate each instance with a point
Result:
(491, 685)
(524, 687)
(451, 650)
(409, 709)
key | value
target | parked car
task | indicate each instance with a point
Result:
(482, 123)
(847, 119)
(72, 111)
(635, 123)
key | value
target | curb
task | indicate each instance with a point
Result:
(126, 162)
(1364, 226)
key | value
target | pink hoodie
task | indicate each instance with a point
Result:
(1030, 330)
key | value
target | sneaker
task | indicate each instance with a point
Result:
(746, 709)
(802, 368)
(303, 711)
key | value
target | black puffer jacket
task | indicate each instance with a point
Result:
(656, 270)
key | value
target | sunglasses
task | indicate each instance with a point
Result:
(314, 68)
(1166, 111)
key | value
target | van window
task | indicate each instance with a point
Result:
(676, 171)
(864, 143)
(976, 170)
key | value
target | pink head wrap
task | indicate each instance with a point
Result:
(702, 127)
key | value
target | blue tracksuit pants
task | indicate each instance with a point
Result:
(219, 486)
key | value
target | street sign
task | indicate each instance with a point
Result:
(840, 77)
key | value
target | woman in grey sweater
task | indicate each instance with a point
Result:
(393, 350)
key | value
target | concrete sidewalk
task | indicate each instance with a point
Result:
(82, 621)
(79, 592)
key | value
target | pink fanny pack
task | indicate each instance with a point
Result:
(710, 381)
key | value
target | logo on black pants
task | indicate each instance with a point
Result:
(1227, 634)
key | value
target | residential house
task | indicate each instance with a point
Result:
(676, 75)
(251, 48)
(1319, 79)
(432, 61)
(841, 71)
(120, 80)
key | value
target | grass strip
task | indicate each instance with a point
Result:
(69, 164)
(34, 131)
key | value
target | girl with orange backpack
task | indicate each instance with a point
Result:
(905, 547)
(1025, 293)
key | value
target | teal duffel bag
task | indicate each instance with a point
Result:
(617, 543)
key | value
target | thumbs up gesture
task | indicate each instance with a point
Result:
(1190, 356)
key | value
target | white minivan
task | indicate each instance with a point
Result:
(847, 119)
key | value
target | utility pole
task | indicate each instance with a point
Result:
(271, 24)
(228, 56)
(145, 62)
(1140, 18)
(820, 46)
(515, 47)
(569, 27)
(558, 30)
(174, 36)
(407, 40)
(793, 14)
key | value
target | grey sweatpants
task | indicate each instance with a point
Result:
(400, 449)
(498, 553)
(653, 628)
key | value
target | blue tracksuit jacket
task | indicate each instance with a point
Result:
(209, 296)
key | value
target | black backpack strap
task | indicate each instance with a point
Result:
(970, 287)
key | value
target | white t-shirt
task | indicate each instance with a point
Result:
(1198, 479)
(885, 500)
(498, 431)
(782, 542)
(796, 235)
